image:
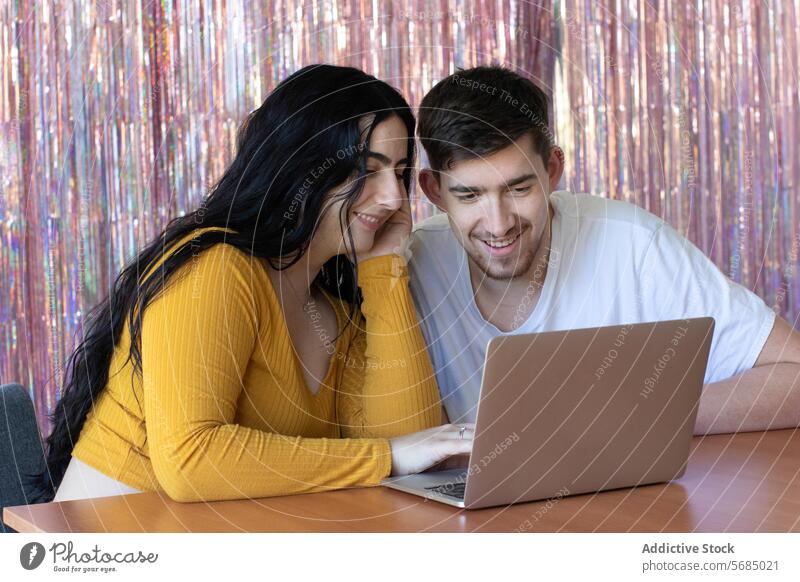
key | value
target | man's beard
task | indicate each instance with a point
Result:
(504, 268)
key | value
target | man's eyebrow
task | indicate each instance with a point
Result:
(385, 159)
(478, 189)
(520, 179)
(467, 189)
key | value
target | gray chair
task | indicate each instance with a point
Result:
(21, 450)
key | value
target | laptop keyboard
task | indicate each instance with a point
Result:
(455, 490)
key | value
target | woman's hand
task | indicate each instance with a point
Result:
(415, 452)
(392, 237)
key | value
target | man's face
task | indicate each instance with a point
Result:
(498, 205)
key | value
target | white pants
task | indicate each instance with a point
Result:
(83, 482)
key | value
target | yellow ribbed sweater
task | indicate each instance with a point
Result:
(225, 412)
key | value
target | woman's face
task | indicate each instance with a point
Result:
(382, 195)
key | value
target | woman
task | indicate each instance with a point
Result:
(266, 343)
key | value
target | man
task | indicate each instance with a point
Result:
(509, 255)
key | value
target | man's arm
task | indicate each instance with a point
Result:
(765, 397)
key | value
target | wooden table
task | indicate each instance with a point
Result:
(746, 482)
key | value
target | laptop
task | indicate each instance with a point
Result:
(578, 411)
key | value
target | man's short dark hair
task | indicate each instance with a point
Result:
(477, 112)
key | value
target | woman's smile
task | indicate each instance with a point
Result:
(369, 221)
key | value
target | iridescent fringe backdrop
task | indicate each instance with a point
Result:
(117, 116)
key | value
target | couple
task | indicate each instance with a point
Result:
(268, 343)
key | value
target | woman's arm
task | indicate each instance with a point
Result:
(388, 387)
(197, 339)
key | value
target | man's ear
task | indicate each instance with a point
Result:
(429, 183)
(555, 166)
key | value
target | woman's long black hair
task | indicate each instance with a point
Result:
(271, 196)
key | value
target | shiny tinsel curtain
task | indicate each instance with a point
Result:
(690, 109)
(116, 116)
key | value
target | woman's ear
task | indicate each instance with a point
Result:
(429, 182)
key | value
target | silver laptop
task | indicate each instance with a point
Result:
(569, 412)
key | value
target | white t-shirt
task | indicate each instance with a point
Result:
(611, 263)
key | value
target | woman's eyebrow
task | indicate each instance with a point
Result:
(385, 159)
